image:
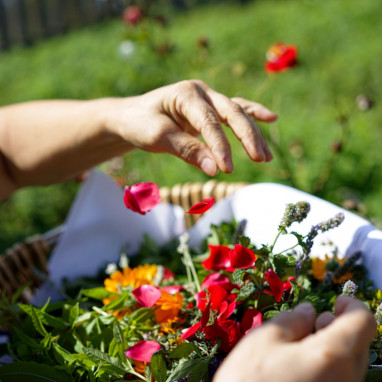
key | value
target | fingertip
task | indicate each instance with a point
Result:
(307, 309)
(208, 165)
(323, 320)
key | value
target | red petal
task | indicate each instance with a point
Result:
(275, 284)
(251, 319)
(215, 279)
(142, 197)
(242, 257)
(142, 350)
(147, 295)
(190, 331)
(218, 259)
(172, 289)
(201, 207)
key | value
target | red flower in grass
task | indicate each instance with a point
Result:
(223, 257)
(132, 15)
(142, 351)
(142, 197)
(201, 207)
(276, 285)
(280, 57)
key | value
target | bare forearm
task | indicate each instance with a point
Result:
(50, 141)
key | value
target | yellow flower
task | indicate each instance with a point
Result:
(319, 269)
(135, 277)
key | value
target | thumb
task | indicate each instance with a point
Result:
(294, 325)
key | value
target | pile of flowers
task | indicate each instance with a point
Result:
(150, 323)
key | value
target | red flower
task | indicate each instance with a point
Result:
(142, 351)
(132, 15)
(241, 257)
(142, 197)
(147, 295)
(280, 57)
(223, 257)
(215, 279)
(201, 207)
(218, 259)
(276, 285)
(251, 319)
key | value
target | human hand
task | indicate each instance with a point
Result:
(169, 120)
(284, 349)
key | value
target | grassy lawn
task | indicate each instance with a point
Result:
(339, 59)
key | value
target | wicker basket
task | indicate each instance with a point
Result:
(26, 262)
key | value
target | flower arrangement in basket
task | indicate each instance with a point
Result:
(149, 322)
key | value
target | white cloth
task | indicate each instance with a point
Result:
(99, 225)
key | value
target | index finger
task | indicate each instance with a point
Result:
(245, 129)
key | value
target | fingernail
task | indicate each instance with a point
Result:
(229, 164)
(208, 165)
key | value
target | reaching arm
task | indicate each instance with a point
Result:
(44, 142)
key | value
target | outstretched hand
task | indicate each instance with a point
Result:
(169, 120)
(44, 142)
(286, 349)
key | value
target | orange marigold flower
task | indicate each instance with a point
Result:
(319, 269)
(135, 277)
(167, 307)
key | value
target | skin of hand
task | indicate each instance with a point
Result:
(286, 349)
(44, 142)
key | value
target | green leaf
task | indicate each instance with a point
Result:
(185, 368)
(62, 354)
(73, 314)
(98, 355)
(270, 314)
(120, 340)
(158, 366)
(43, 316)
(247, 290)
(26, 339)
(238, 275)
(199, 372)
(184, 350)
(99, 293)
(32, 372)
(245, 241)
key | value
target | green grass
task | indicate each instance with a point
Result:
(339, 58)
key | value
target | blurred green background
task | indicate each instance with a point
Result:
(325, 141)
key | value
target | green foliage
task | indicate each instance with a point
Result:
(322, 143)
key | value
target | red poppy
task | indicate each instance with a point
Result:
(280, 57)
(142, 197)
(132, 15)
(201, 207)
(142, 351)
